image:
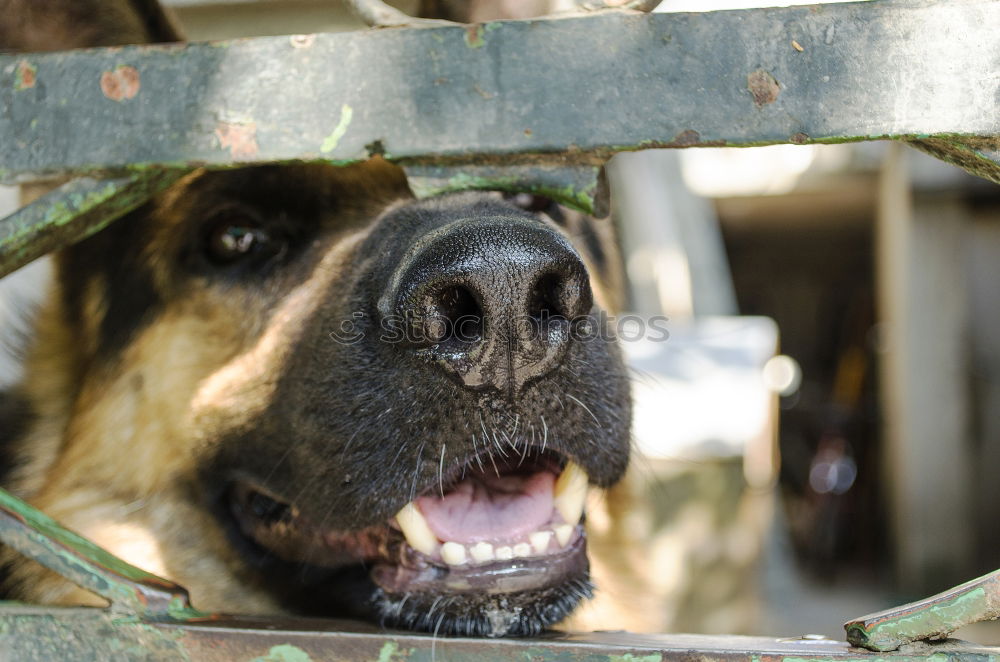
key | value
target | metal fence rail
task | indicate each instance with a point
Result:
(579, 89)
(535, 95)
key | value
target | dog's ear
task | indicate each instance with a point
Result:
(52, 25)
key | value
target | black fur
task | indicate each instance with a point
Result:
(16, 417)
(355, 431)
(483, 615)
(115, 256)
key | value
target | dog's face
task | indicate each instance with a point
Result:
(326, 397)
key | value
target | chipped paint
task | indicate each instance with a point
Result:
(240, 138)
(475, 34)
(629, 657)
(331, 141)
(129, 589)
(687, 138)
(936, 619)
(302, 40)
(936, 657)
(121, 83)
(389, 652)
(284, 653)
(764, 87)
(25, 76)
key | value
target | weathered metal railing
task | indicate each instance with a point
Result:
(520, 101)
(534, 106)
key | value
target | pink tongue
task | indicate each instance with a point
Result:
(491, 508)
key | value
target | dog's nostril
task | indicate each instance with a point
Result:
(544, 300)
(557, 295)
(455, 315)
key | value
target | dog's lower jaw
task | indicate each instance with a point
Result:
(503, 598)
(523, 614)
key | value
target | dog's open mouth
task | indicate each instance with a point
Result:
(498, 542)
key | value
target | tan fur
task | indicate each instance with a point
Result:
(115, 445)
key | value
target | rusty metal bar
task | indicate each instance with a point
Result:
(73, 212)
(128, 589)
(932, 618)
(70, 635)
(534, 106)
(572, 90)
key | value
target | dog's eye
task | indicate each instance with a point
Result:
(230, 240)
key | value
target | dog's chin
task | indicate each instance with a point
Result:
(505, 598)
(499, 551)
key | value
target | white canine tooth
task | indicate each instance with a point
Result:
(453, 553)
(416, 529)
(563, 533)
(522, 549)
(570, 492)
(505, 553)
(481, 552)
(540, 541)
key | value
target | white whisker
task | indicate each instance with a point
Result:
(585, 408)
(441, 472)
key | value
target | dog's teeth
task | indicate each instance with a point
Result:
(563, 533)
(481, 552)
(521, 550)
(570, 492)
(540, 541)
(505, 553)
(453, 553)
(415, 528)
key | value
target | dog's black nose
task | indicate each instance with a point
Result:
(492, 301)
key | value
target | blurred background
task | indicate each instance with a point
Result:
(817, 430)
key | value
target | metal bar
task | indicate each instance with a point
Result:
(33, 633)
(980, 158)
(573, 90)
(73, 212)
(932, 618)
(135, 592)
(581, 187)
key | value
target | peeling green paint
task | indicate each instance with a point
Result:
(940, 618)
(390, 650)
(330, 142)
(25, 75)
(77, 558)
(934, 657)
(475, 36)
(284, 653)
(629, 657)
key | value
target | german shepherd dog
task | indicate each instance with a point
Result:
(297, 389)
